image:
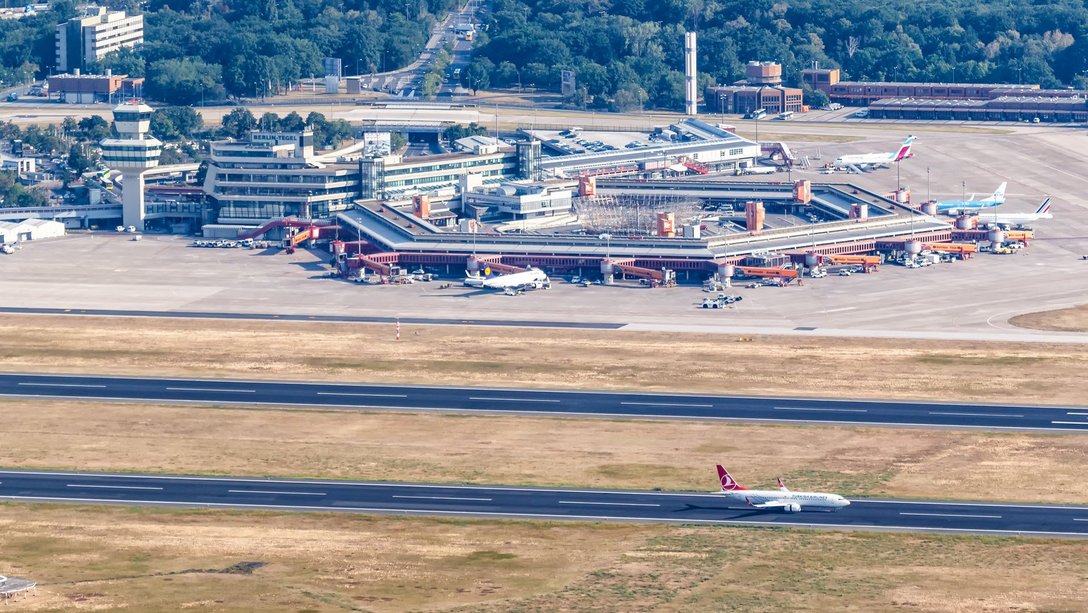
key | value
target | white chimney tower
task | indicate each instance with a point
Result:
(691, 96)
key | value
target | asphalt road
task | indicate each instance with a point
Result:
(533, 503)
(548, 402)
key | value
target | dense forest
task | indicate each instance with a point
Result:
(208, 49)
(626, 53)
(629, 53)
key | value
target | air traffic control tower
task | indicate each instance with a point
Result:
(132, 153)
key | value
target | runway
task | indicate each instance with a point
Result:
(548, 402)
(354, 319)
(534, 503)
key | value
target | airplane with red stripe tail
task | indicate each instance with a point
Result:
(868, 161)
(781, 499)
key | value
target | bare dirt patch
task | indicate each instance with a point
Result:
(566, 359)
(92, 558)
(1073, 319)
(670, 455)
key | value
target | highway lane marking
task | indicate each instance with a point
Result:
(515, 399)
(115, 487)
(617, 504)
(973, 414)
(951, 515)
(725, 522)
(667, 404)
(60, 385)
(277, 493)
(822, 410)
(209, 389)
(360, 394)
(445, 498)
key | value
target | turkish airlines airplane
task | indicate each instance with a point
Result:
(872, 160)
(781, 499)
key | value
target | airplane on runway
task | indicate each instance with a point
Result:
(530, 278)
(867, 161)
(781, 499)
(1043, 212)
(956, 207)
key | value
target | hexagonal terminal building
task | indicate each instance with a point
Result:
(132, 153)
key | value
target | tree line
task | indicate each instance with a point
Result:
(207, 50)
(629, 53)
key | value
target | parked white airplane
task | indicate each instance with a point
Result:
(872, 160)
(956, 207)
(1043, 212)
(529, 278)
(781, 499)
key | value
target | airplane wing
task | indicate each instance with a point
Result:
(774, 504)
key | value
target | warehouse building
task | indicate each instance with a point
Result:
(30, 230)
(1004, 108)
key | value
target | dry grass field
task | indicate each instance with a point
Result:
(149, 560)
(144, 559)
(1073, 319)
(772, 365)
(484, 449)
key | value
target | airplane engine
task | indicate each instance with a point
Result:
(792, 507)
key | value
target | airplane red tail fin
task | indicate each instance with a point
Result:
(727, 482)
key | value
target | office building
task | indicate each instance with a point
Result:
(278, 174)
(82, 41)
(743, 99)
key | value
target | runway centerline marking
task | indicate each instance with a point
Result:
(617, 504)
(1074, 413)
(361, 394)
(668, 404)
(951, 515)
(514, 399)
(1080, 519)
(30, 384)
(820, 410)
(115, 487)
(1071, 423)
(973, 414)
(445, 498)
(209, 389)
(277, 493)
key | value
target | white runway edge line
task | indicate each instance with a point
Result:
(951, 515)
(667, 404)
(445, 498)
(29, 384)
(820, 410)
(513, 399)
(972, 414)
(276, 493)
(209, 389)
(362, 395)
(610, 504)
(115, 487)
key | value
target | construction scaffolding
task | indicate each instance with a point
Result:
(634, 213)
